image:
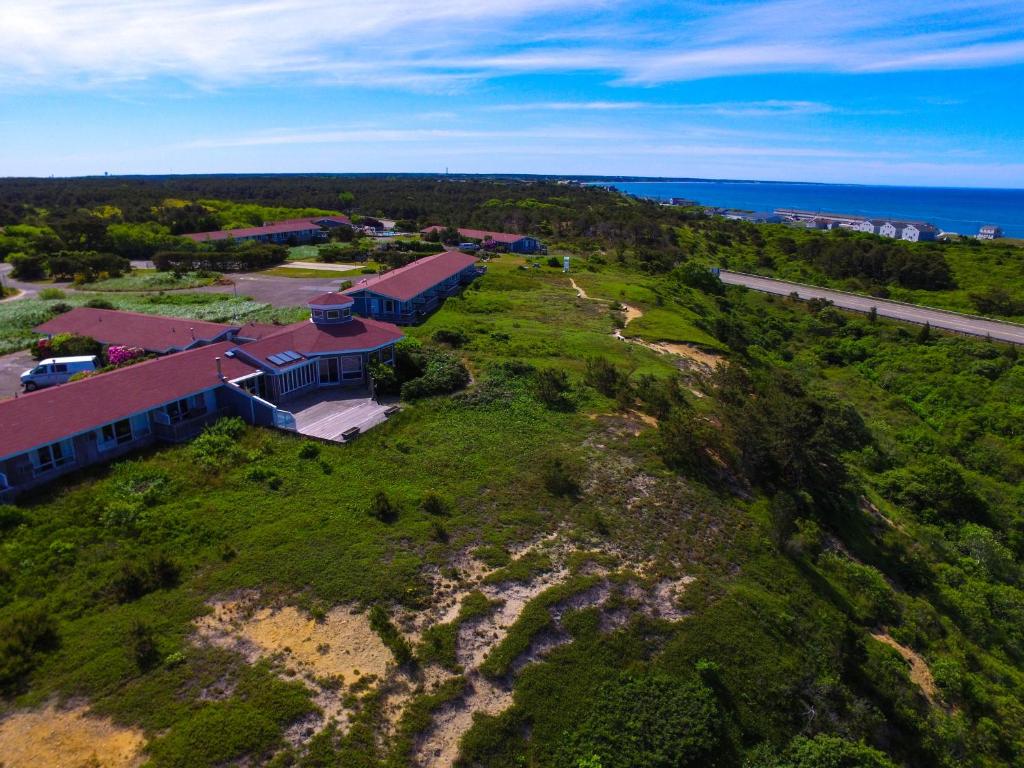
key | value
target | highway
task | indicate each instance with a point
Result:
(937, 318)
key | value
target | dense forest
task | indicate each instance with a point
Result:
(652, 521)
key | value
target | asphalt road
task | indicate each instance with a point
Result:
(11, 368)
(277, 291)
(937, 318)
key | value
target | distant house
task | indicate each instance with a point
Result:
(872, 226)
(892, 229)
(507, 240)
(54, 431)
(990, 232)
(410, 293)
(153, 333)
(919, 232)
(294, 230)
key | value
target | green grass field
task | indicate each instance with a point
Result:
(777, 613)
(148, 280)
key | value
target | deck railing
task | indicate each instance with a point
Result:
(186, 429)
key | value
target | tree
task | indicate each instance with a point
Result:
(551, 386)
(651, 721)
(925, 334)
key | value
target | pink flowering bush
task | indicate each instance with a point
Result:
(119, 355)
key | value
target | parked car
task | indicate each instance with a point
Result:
(471, 247)
(57, 370)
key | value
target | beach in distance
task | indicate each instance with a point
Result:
(959, 210)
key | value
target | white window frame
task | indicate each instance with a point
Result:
(115, 440)
(52, 461)
(333, 314)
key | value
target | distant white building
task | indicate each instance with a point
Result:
(870, 225)
(990, 232)
(919, 232)
(892, 229)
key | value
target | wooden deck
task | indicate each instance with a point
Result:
(328, 413)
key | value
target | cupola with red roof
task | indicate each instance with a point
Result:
(331, 308)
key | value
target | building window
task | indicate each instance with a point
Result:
(4, 485)
(52, 456)
(296, 378)
(179, 410)
(333, 314)
(352, 367)
(389, 305)
(318, 313)
(346, 314)
(387, 354)
(118, 433)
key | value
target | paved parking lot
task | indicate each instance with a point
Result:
(278, 291)
(11, 368)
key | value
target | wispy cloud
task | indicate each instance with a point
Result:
(446, 44)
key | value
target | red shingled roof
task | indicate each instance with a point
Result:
(330, 299)
(283, 228)
(307, 338)
(482, 234)
(154, 333)
(57, 413)
(413, 279)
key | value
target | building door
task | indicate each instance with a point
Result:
(330, 371)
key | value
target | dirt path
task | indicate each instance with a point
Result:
(920, 674)
(67, 738)
(580, 293)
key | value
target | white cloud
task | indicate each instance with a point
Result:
(445, 44)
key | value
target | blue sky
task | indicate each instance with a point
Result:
(807, 90)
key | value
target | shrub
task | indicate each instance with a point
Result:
(604, 377)
(392, 638)
(551, 386)
(27, 267)
(432, 504)
(24, 637)
(647, 722)
(382, 508)
(120, 355)
(559, 480)
(443, 373)
(384, 378)
(65, 345)
(309, 450)
(452, 338)
(99, 304)
(137, 579)
(217, 446)
(49, 294)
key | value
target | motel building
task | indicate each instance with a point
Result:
(311, 377)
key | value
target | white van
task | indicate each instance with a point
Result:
(56, 370)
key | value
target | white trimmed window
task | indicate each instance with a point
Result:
(387, 354)
(52, 456)
(333, 314)
(118, 433)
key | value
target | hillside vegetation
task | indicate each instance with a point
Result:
(791, 538)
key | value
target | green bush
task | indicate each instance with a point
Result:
(392, 638)
(65, 345)
(49, 294)
(134, 580)
(27, 267)
(453, 338)
(551, 387)
(822, 751)
(383, 509)
(442, 374)
(432, 504)
(647, 722)
(217, 446)
(604, 377)
(24, 636)
(559, 478)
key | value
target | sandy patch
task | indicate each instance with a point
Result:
(580, 293)
(342, 645)
(920, 674)
(631, 313)
(68, 738)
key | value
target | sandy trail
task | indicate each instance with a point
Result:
(67, 738)
(920, 674)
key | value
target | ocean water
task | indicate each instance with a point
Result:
(951, 209)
